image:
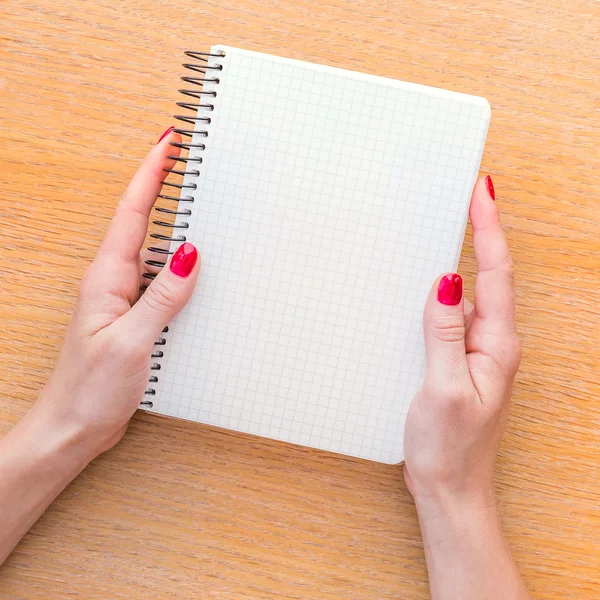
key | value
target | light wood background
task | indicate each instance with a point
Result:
(179, 510)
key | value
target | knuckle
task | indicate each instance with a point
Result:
(506, 353)
(511, 354)
(160, 296)
(506, 269)
(448, 328)
(504, 266)
(127, 207)
(507, 265)
(452, 397)
(119, 208)
(126, 348)
(122, 205)
(87, 284)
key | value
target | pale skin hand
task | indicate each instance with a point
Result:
(104, 365)
(456, 421)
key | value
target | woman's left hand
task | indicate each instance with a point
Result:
(104, 366)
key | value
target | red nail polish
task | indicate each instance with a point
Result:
(490, 187)
(184, 259)
(165, 134)
(450, 289)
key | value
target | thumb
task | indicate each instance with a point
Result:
(444, 329)
(166, 295)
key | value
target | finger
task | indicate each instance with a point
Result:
(165, 296)
(494, 288)
(444, 329)
(127, 230)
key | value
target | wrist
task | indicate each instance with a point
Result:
(453, 533)
(452, 505)
(446, 519)
(56, 439)
(39, 457)
(467, 556)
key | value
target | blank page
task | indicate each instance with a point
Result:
(328, 201)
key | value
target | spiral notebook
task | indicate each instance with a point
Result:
(324, 203)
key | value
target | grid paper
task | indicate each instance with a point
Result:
(327, 203)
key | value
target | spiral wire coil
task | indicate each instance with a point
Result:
(207, 74)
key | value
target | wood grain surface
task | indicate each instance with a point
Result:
(178, 510)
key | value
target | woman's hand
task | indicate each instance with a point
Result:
(455, 422)
(104, 365)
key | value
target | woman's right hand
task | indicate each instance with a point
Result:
(456, 420)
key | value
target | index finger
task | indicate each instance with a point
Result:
(127, 230)
(494, 286)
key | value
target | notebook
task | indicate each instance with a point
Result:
(324, 203)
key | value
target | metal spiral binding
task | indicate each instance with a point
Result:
(206, 74)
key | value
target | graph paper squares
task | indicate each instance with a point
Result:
(328, 202)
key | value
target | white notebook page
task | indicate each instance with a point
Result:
(327, 203)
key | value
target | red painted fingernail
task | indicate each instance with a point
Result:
(490, 187)
(450, 289)
(165, 134)
(184, 259)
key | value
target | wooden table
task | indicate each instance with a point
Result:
(179, 510)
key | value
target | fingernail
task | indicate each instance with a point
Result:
(490, 187)
(165, 134)
(184, 259)
(450, 289)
